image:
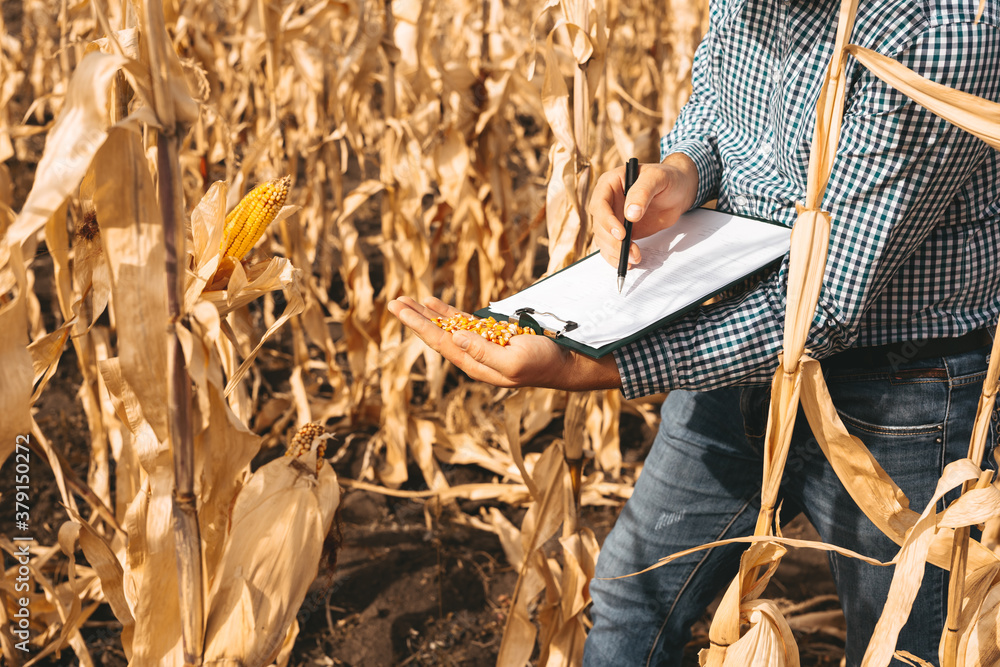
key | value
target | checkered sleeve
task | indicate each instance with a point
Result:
(897, 172)
(693, 134)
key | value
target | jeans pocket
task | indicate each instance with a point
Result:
(754, 403)
(886, 407)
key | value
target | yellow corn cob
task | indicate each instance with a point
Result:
(246, 223)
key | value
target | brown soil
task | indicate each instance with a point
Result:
(402, 595)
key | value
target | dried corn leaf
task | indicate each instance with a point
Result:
(458, 448)
(151, 564)
(424, 433)
(973, 507)
(16, 379)
(979, 644)
(757, 565)
(512, 419)
(865, 480)
(807, 258)
(207, 227)
(519, 632)
(540, 523)
(57, 242)
(909, 570)
(510, 538)
(224, 451)
(278, 274)
(513, 494)
(45, 353)
(603, 422)
(580, 551)
(124, 401)
(132, 236)
(108, 568)
(396, 429)
(70, 145)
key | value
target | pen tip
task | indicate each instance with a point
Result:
(621, 282)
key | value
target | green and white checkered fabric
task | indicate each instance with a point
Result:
(915, 202)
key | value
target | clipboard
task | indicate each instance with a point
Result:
(553, 322)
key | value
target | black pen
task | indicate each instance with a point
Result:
(631, 174)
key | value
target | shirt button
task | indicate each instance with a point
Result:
(741, 201)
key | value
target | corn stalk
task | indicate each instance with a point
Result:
(171, 201)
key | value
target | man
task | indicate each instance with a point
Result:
(910, 294)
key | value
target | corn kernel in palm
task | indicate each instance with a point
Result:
(489, 328)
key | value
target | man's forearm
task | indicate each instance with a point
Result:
(585, 374)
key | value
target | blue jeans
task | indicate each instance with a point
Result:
(701, 483)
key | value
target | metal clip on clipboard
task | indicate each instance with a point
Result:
(522, 319)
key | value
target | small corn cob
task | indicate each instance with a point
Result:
(489, 328)
(246, 223)
(305, 439)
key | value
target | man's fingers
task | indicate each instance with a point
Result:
(605, 204)
(430, 309)
(649, 184)
(414, 319)
(441, 309)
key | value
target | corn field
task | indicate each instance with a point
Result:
(431, 148)
(427, 148)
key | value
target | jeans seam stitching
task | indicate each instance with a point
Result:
(885, 431)
(970, 379)
(690, 577)
(944, 426)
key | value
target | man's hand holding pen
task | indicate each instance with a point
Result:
(661, 193)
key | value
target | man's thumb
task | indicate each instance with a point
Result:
(462, 339)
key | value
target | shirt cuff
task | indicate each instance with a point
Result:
(645, 366)
(703, 156)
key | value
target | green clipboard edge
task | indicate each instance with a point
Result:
(525, 320)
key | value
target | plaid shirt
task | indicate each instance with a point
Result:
(915, 202)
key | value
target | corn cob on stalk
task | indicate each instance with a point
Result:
(246, 223)
(489, 328)
(309, 437)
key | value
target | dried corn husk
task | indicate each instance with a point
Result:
(260, 582)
